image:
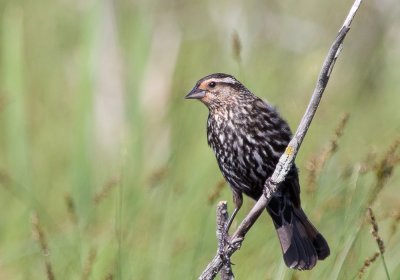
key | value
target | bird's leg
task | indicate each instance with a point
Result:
(238, 201)
(231, 218)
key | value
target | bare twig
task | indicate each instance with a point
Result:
(222, 218)
(222, 221)
(286, 160)
(225, 268)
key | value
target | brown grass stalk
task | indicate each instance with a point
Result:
(367, 263)
(317, 162)
(71, 209)
(384, 169)
(106, 189)
(158, 176)
(39, 236)
(109, 276)
(236, 47)
(216, 191)
(378, 239)
(375, 231)
(395, 222)
(87, 269)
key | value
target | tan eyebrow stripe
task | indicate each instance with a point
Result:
(227, 80)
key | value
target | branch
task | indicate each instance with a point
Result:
(222, 222)
(286, 160)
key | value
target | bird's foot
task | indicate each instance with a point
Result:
(228, 246)
(236, 243)
(267, 191)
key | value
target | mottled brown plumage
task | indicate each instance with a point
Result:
(248, 136)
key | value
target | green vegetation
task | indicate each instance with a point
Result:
(104, 168)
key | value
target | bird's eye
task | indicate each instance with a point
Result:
(212, 84)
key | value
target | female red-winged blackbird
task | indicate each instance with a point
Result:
(248, 137)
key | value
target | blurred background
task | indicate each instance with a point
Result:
(105, 172)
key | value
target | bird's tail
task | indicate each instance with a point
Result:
(302, 244)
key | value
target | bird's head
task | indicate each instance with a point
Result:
(219, 90)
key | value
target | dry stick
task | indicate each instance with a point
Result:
(222, 221)
(286, 160)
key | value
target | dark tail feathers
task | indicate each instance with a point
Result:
(302, 245)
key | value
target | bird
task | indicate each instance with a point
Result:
(248, 136)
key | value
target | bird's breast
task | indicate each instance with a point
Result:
(239, 152)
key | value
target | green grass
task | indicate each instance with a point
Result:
(91, 105)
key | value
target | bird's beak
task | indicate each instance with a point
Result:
(196, 93)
